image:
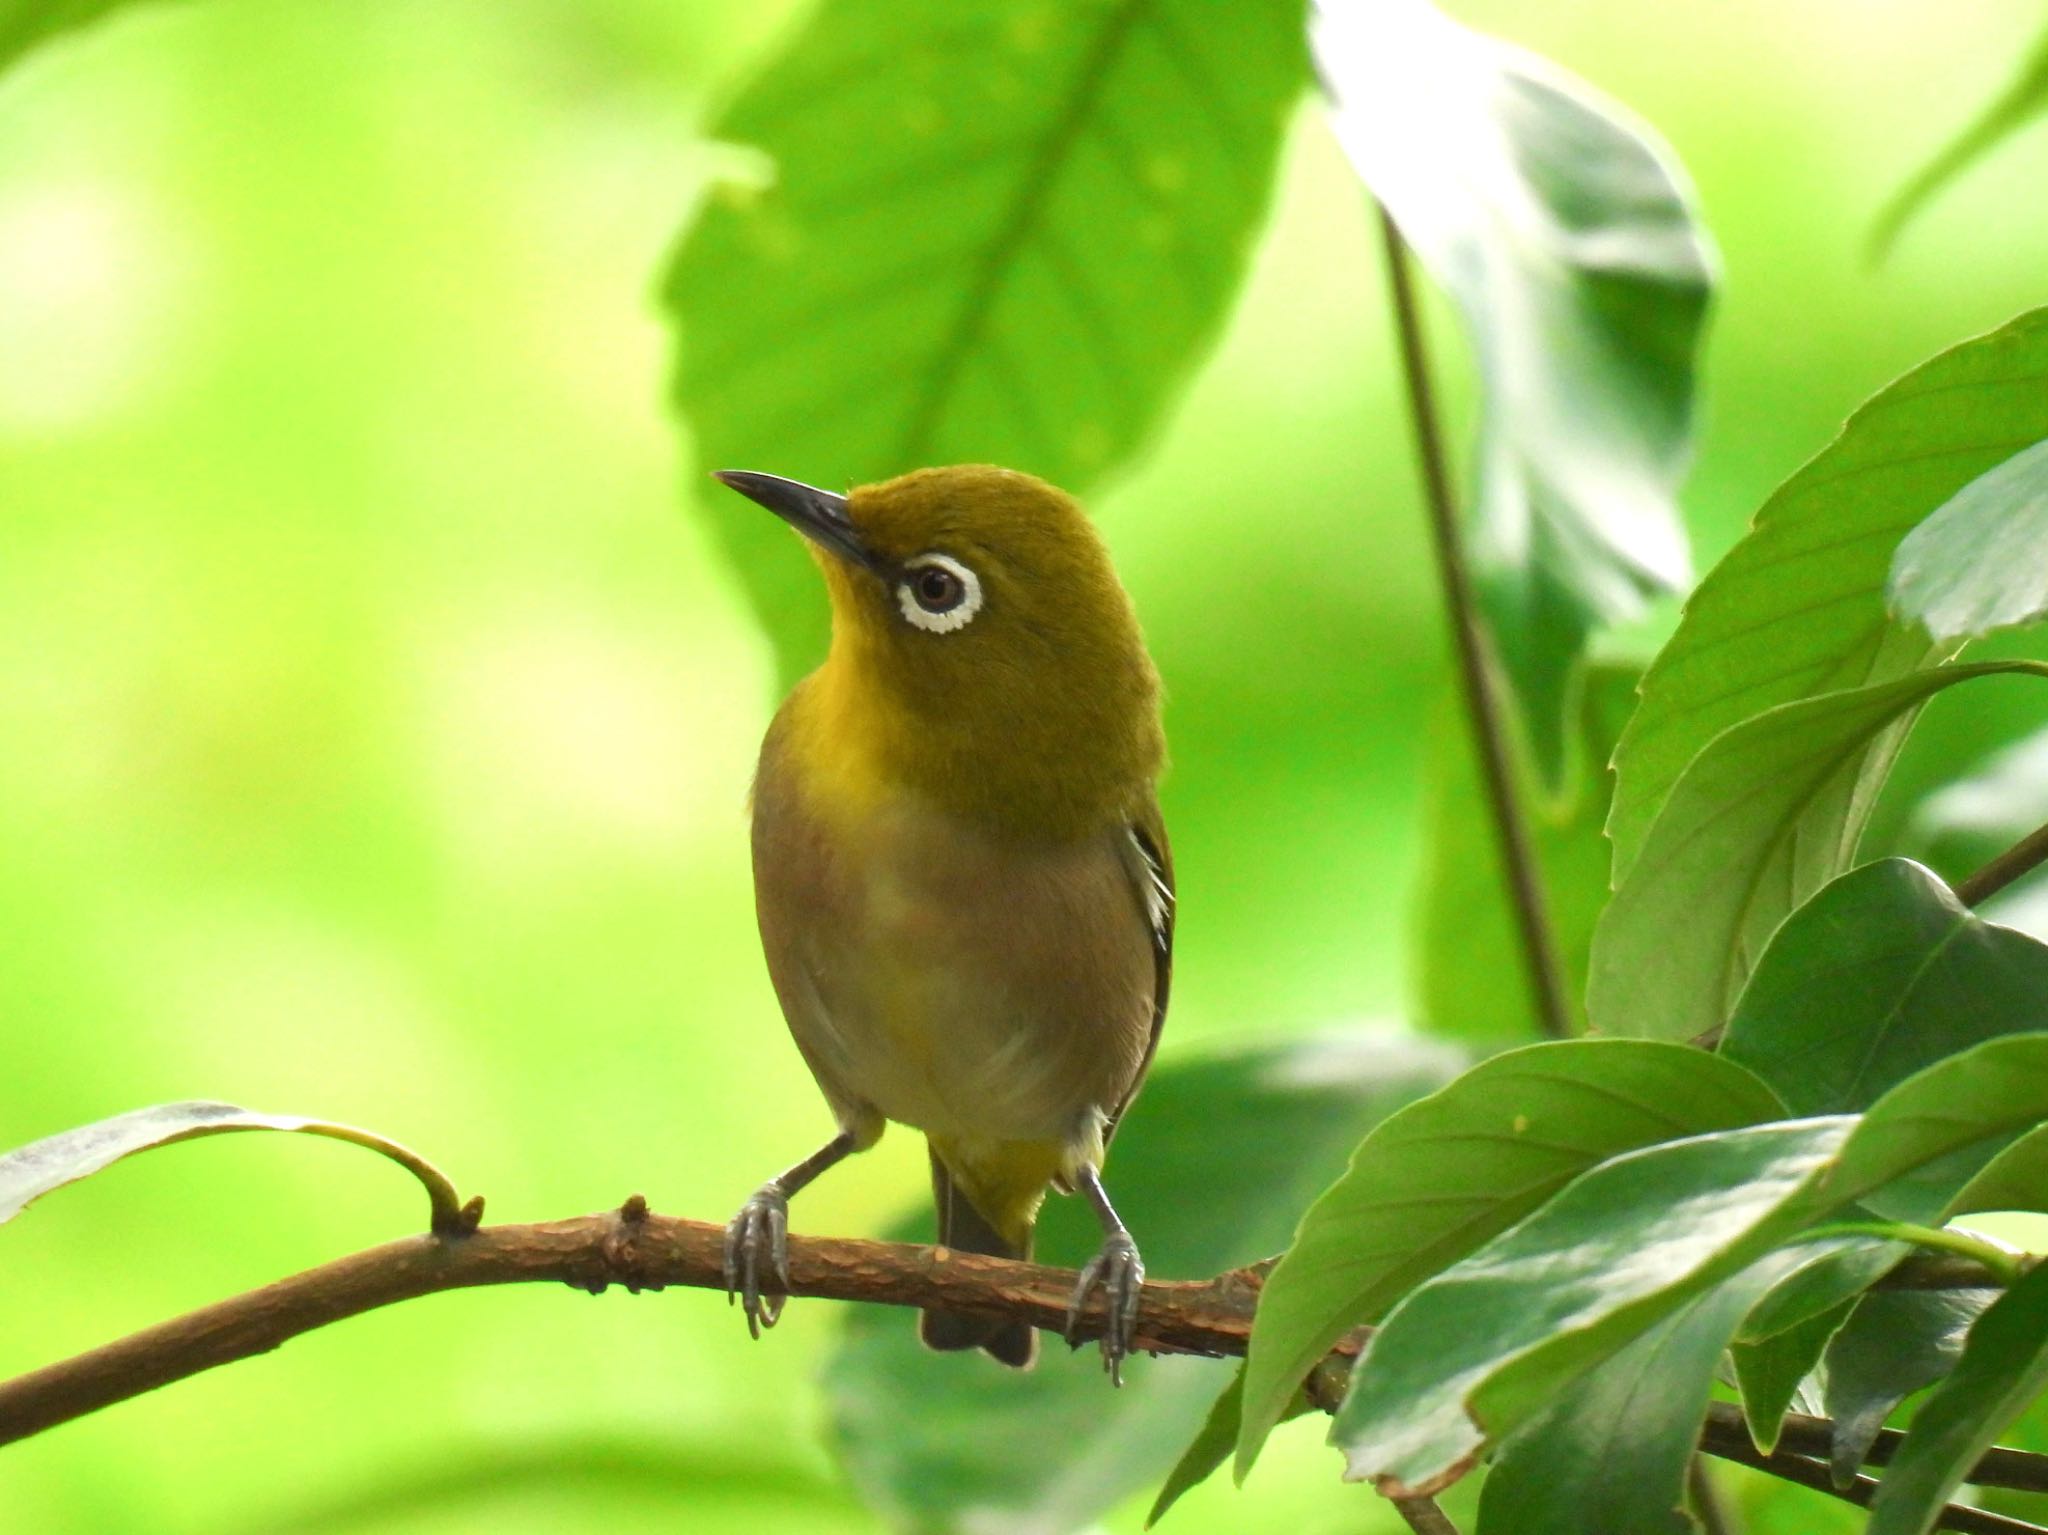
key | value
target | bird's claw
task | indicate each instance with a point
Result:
(1120, 1273)
(757, 1247)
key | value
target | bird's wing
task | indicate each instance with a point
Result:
(1150, 862)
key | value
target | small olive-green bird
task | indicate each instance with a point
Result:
(960, 871)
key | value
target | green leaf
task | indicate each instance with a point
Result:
(2004, 1366)
(1471, 977)
(1485, 1346)
(1881, 974)
(1479, 1350)
(1609, 1457)
(2024, 99)
(1771, 1373)
(24, 24)
(1559, 225)
(1921, 1145)
(1754, 827)
(1212, 1171)
(1896, 1342)
(31, 1171)
(2015, 1179)
(1980, 560)
(1450, 1172)
(1797, 607)
(1835, 1271)
(1001, 232)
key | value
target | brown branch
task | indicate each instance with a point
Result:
(2023, 855)
(1786, 1466)
(631, 1248)
(642, 1251)
(1812, 1437)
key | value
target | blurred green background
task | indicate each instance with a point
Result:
(375, 725)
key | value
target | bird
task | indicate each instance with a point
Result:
(962, 878)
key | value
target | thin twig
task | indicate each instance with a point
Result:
(1812, 1473)
(1480, 683)
(1423, 1516)
(2027, 853)
(1813, 1437)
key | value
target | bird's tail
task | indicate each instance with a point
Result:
(965, 1229)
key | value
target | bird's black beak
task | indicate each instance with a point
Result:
(817, 514)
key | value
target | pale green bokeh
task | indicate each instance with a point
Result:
(375, 728)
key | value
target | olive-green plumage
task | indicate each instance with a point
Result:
(960, 871)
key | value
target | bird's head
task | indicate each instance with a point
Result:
(978, 605)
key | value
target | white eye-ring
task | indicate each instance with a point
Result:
(940, 594)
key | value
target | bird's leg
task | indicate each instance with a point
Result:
(757, 1240)
(1120, 1272)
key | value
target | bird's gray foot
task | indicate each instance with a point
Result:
(1120, 1274)
(757, 1257)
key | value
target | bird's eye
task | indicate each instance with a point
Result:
(939, 594)
(938, 590)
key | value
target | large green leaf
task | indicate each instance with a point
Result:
(1211, 1170)
(1609, 1457)
(1980, 561)
(2024, 98)
(1754, 827)
(1470, 972)
(1881, 974)
(1446, 1174)
(1481, 1349)
(1484, 1347)
(998, 232)
(1923, 1145)
(31, 1171)
(1797, 607)
(1893, 1344)
(2004, 1366)
(1560, 227)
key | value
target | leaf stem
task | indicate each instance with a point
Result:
(1423, 1516)
(2006, 1267)
(1481, 685)
(2024, 855)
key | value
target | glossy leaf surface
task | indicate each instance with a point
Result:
(1881, 974)
(1756, 825)
(1980, 561)
(1609, 1456)
(1797, 608)
(1450, 1172)
(1483, 1348)
(1893, 1344)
